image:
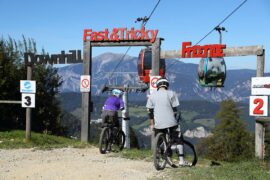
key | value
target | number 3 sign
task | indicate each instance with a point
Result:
(258, 106)
(28, 100)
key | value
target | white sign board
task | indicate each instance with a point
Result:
(85, 83)
(27, 86)
(153, 83)
(260, 86)
(28, 100)
(258, 105)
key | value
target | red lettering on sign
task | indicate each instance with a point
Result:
(120, 34)
(197, 51)
(260, 103)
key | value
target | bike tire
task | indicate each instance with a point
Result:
(190, 155)
(159, 155)
(104, 140)
(121, 139)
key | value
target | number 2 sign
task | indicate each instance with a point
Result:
(258, 106)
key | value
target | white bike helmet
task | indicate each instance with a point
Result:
(162, 82)
(117, 92)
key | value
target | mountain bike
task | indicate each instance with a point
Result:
(111, 139)
(166, 149)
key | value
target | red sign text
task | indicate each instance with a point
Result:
(197, 51)
(120, 34)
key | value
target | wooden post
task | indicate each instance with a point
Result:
(155, 71)
(28, 110)
(259, 129)
(86, 96)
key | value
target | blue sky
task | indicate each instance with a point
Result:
(58, 25)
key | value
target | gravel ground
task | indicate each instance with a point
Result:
(71, 163)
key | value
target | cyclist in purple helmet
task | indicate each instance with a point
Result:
(111, 106)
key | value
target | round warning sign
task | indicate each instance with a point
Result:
(85, 83)
(153, 83)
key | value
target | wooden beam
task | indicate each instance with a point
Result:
(121, 43)
(10, 102)
(229, 52)
(263, 119)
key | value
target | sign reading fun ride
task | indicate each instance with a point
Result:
(120, 34)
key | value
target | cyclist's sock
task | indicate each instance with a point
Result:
(181, 153)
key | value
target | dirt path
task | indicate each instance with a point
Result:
(70, 163)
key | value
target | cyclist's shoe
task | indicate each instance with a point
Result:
(185, 164)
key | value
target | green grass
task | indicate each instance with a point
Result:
(135, 154)
(16, 139)
(242, 170)
(253, 169)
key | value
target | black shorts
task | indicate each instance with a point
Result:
(110, 117)
(172, 133)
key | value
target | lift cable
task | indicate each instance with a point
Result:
(214, 28)
(145, 20)
(222, 21)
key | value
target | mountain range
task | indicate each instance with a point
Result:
(182, 77)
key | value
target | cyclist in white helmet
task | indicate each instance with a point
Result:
(162, 107)
(111, 106)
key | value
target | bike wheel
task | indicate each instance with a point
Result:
(159, 155)
(190, 154)
(104, 140)
(119, 141)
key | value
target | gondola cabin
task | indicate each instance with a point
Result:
(145, 65)
(212, 72)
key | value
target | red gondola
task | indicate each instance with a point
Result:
(145, 65)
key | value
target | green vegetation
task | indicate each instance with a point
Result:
(230, 140)
(47, 114)
(16, 139)
(136, 154)
(204, 171)
(205, 168)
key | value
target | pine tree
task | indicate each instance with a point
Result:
(46, 115)
(11, 115)
(230, 140)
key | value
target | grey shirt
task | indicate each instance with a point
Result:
(162, 101)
